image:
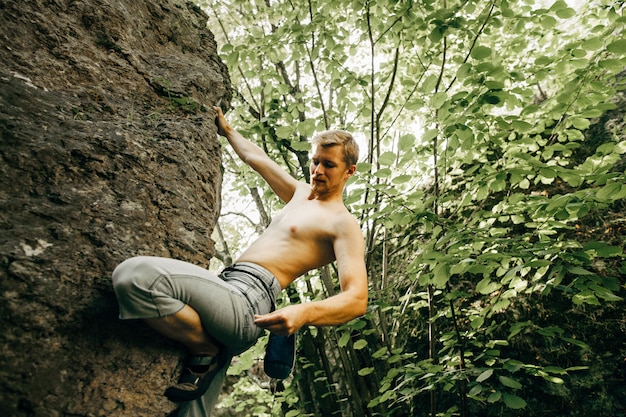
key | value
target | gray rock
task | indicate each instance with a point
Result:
(108, 150)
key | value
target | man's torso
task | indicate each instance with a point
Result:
(300, 237)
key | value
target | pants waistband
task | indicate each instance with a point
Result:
(267, 280)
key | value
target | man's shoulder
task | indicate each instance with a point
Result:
(344, 219)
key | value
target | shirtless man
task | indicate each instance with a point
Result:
(211, 315)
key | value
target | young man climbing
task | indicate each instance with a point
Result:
(218, 316)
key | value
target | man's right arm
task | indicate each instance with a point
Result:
(281, 182)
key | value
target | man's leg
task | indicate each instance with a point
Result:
(186, 327)
(203, 406)
(164, 293)
(176, 298)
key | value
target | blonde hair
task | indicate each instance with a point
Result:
(339, 137)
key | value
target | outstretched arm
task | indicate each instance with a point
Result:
(281, 182)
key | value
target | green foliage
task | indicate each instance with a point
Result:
(490, 190)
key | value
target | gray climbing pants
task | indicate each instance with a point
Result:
(152, 287)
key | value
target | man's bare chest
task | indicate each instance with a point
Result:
(305, 221)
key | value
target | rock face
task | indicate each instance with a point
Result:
(108, 150)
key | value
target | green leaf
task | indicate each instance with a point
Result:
(566, 13)
(373, 403)
(387, 158)
(485, 375)
(614, 65)
(380, 353)
(543, 60)
(414, 104)
(283, 132)
(579, 271)
(559, 5)
(401, 179)
(356, 324)
(494, 397)
(406, 142)
(481, 52)
(509, 382)
(512, 365)
(605, 148)
(580, 123)
(360, 344)
(513, 401)
(438, 99)
(394, 359)
(364, 167)
(494, 84)
(610, 192)
(477, 322)
(429, 83)
(555, 370)
(574, 179)
(486, 286)
(547, 173)
(476, 389)
(441, 275)
(553, 379)
(620, 147)
(521, 126)
(300, 145)
(430, 134)
(463, 71)
(516, 328)
(604, 293)
(383, 173)
(617, 47)
(603, 250)
(344, 339)
(232, 59)
(585, 297)
(576, 368)
(593, 44)
(548, 22)
(365, 371)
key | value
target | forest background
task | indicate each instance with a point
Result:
(490, 193)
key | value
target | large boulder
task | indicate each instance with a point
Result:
(108, 150)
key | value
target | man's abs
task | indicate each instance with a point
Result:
(287, 259)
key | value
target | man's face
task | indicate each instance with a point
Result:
(329, 171)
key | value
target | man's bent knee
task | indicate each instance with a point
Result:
(133, 275)
(128, 272)
(144, 289)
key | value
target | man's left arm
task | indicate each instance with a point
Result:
(350, 303)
